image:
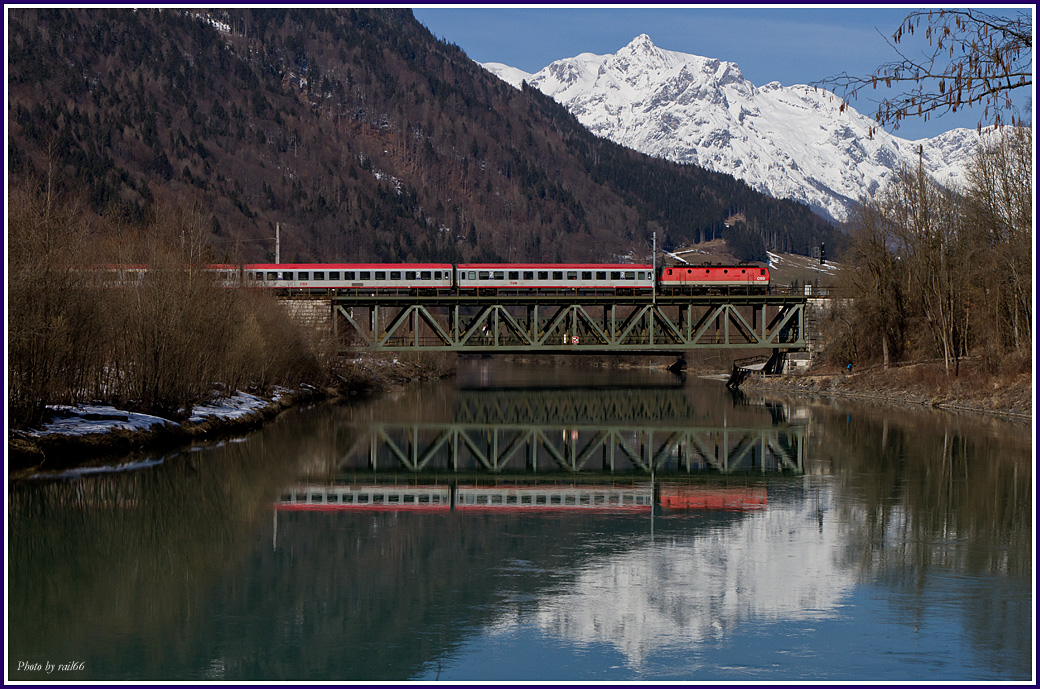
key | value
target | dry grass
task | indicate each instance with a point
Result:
(1008, 391)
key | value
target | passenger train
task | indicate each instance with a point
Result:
(506, 278)
(479, 279)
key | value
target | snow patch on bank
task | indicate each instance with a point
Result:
(235, 407)
(87, 419)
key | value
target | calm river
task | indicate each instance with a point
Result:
(534, 523)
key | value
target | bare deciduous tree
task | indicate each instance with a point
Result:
(999, 226)
(971, 58)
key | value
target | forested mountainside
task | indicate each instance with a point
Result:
(358, 132)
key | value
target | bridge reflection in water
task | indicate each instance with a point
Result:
(640, 431)
(560, 449)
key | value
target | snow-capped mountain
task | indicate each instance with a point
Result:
(786, 141)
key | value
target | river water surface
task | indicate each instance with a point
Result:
(538, 523)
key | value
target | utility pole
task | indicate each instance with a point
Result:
(653, 260)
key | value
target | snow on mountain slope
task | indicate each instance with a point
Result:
(786, 141)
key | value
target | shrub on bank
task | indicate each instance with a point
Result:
(160, 346)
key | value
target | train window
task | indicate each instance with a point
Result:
(514, 275)
(485, 275)
(437, 275)
(304, 275)
(365, 275)
(572, 275)
(543, 274)
(287, 275)
(272, 275)
(319, 275)
(642, 275)
(259, 275)
(529, 275)
(615, 275)
(586, 275)
(380, 275)
(557, 275)
(334, 275)
(395, 275)
(425, 275)
(762, 271)
(630, 275)
(499, 275)
(601, 275)
(409, 275)
(472, 275)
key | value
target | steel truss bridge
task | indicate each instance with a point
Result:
(630, 431)
(568, 324)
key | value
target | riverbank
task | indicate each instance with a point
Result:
(1008, 395)
(95, 436)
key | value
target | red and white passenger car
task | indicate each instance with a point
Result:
(559, 278)
(383, 278)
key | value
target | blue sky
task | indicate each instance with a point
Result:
(770, 43)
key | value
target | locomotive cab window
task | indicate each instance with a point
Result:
(762, 271)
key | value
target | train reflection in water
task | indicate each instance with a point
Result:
(538, 497)
(469, 497)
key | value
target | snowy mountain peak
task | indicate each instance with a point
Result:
(786, 141)
(640, 45)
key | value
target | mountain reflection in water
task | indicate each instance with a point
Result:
(733, 538)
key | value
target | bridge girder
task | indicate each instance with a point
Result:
(572, 325)
(495, 448)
